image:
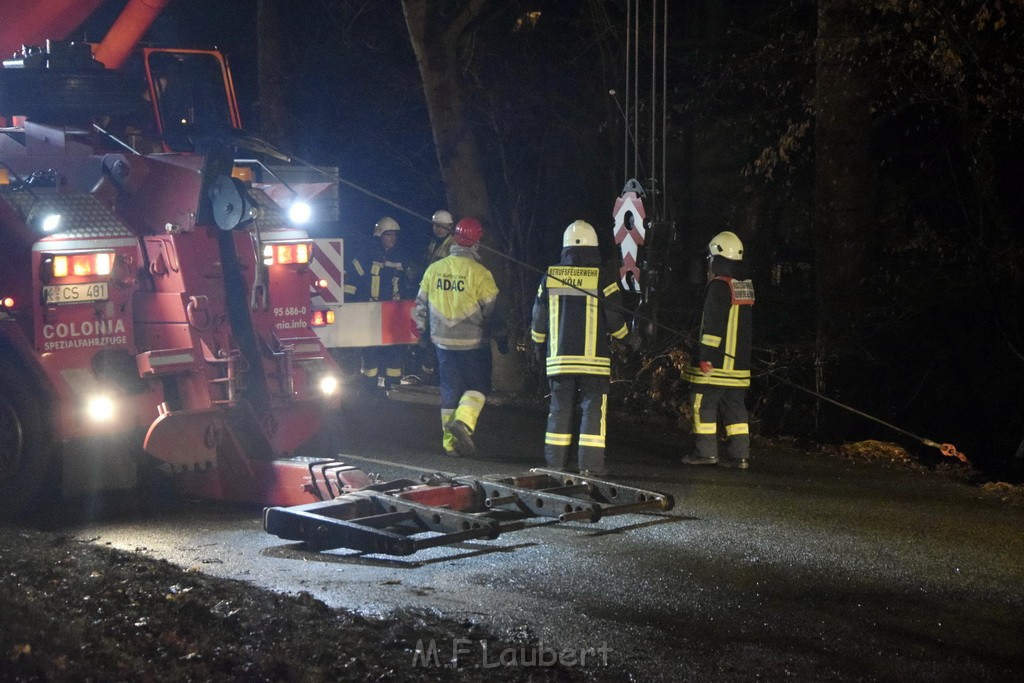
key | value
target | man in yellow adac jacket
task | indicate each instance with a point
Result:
(456, 309)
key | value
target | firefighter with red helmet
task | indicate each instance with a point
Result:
(720, 373)
(378, 274)
(457, 310)
(578, 307)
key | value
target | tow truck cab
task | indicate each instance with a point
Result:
(148, 291)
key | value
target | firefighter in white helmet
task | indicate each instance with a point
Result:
(720, 370)
(457, 310)
(441, 243)
(578, 306)
(439, 247)
(377, 273)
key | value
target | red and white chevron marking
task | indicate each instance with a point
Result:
(329, 264)
(629, 240)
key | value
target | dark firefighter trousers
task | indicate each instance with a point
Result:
(383, 361)
(712, 404)
(590, 394)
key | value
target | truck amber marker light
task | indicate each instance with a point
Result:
(322, 318)
(82, 265)
(286, 254)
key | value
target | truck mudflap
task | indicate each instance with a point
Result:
(402, 517)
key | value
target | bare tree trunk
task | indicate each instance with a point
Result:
(272, 90)
(844, 174)
(436, 43)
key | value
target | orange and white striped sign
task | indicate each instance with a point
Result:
(328, 264)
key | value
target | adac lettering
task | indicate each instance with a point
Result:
(446, 284)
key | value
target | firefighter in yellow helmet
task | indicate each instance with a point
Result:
(378, 274)
(720, 373)
(578, 306)
(457, 310)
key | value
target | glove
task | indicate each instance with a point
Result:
(502, 345)
(705, 367)
(633, 341)
(538, 353)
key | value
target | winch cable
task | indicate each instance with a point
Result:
(354, 186)
(946, 449)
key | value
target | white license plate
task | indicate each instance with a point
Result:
(77, 293)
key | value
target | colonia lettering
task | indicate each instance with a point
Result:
(87, 328)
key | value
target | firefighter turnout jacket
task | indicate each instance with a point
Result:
(457, 302)
(376, 275)
(578, 306)
(439, 248)
(725, 334)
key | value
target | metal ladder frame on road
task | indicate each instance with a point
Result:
(392, 518)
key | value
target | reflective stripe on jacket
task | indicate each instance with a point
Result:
(725, 334)
(378, 276)
(439, 248)
(578, 306)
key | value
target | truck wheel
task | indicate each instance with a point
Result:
(27, 466)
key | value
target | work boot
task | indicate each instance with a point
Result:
(740, 464)
(463, 438)
(694, 459)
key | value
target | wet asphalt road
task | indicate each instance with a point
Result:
(802, 567)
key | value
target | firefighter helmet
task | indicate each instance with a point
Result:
(386, 224)
(579, 234)
(468, 232)
(727, 245)
(442, 217)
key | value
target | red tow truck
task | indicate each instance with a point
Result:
(154, 301)
(156, 307)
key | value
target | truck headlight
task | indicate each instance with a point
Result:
(329, 385)
(299, 212)
(100, 407)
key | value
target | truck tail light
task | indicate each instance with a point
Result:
(7, 303)
(322, 318)
(83, 265)
(286, 254)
